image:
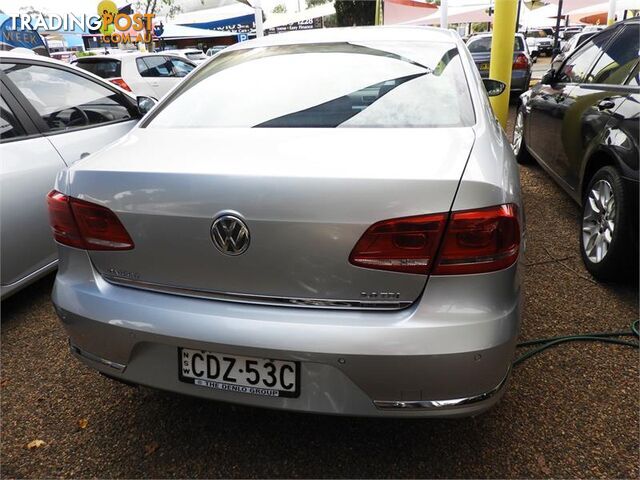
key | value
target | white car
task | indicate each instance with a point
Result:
(51, 116)
(193, 54)
(143, 74)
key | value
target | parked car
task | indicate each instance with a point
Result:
(143, 74)
(192, 54)
(539, 42)
(215, 49)
(572, 44)
(581, 124)
(52, 115)
(480, 48)
(335, 270)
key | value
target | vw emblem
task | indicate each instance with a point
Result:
(230, 235)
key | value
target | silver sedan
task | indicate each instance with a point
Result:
(324, 221)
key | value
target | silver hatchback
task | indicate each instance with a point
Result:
(326, 221)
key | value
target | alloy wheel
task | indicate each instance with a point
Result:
(599, 221)
(518, 129)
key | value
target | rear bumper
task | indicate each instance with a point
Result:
(447, 355)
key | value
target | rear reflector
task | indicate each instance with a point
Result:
(85, 225)
(121, 83)
(476, 241)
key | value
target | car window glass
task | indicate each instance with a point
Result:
(104, 68)
(374, 84)
(577, 66)
(483, 45)
(9, 126)
(196, 56)
(621, 55)
(154, 66)
(181, 67)
(65, 100)
(634, 78)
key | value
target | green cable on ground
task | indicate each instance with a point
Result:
(603, 337)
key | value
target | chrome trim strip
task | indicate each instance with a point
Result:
(94, 358)
(259, 299)
(434, 404)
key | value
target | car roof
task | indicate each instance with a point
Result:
(490, 34)
(352, 34)
(29, 56)
(121, 56)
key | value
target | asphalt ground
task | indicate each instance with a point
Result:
(570, 412)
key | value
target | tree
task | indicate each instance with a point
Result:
(280, 8)
(170, 7)
(351, 13)
(315, 3)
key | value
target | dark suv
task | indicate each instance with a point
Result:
(581, 124)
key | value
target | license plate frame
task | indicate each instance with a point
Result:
(218, 382)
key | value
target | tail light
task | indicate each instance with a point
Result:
(121, 83)
(406, 245)
(474, 241)
(85, 225)
(479, 241)
(521, 62)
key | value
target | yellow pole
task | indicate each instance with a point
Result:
(504, 30)
(611, 14)
(378, 20)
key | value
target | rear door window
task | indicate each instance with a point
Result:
(104, 68)
(619, 58)
(325, 86)
(154, 66)
(181, 67)
(578, 65)
(10, 127)
(66, 100)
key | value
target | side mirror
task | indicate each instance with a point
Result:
(494, 87)
(547, 78)
(145, 104)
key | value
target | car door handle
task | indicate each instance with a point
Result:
(84, 154)
(606, 104)
(155, 84)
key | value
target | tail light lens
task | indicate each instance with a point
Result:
(480, 241)
(121, 83)
(475, 241)
(85, 225)
(521, 62)
(401, 245)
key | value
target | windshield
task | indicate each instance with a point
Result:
(196, 56)
(324, 85)
(483, 45)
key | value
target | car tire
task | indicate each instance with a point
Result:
(518, 146)
(606, 228)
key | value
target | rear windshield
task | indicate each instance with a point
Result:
(105, 68)
(323, 86)
(483, 45)
(196, 56)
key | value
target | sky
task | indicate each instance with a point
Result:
(89, 6)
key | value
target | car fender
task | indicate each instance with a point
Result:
(605, 150)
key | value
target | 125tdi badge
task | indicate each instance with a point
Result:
(343, 234)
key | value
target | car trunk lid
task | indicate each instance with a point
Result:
(305, 195)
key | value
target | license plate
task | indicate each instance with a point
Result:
(483, 66)
(233, 373)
